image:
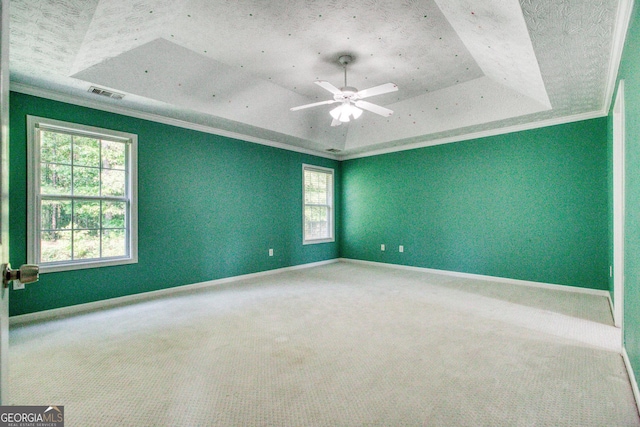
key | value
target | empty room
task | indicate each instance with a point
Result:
(320, 213)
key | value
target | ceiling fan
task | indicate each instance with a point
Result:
(350, 98)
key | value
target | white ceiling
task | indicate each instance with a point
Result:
(463, 67)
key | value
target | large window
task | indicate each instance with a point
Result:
(318, 204)
(81, 196)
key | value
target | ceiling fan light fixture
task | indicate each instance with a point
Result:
(335, 113)
(345, 112)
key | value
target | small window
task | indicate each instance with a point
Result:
(318, 204)
(82, 204)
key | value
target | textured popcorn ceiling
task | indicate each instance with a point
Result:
(462, 66)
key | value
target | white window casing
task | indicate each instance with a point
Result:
(82, 207)
(318, 216)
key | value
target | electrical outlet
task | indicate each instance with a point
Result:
(17, 284)
(270, 252)
(401, 248)
(382, 247)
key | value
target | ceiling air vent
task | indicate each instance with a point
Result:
(104, 92)
(333, 150)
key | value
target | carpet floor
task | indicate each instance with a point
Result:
(343, 344)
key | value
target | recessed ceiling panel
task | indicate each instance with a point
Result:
(120, 25)
(462, 66)
(472, 103)
(292, 43)
(496, 34)
(164, 71)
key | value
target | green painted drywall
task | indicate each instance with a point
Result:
(630, 72)
(531, 205)
(209, 207)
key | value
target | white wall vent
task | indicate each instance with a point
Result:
(104, 92)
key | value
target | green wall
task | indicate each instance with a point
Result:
(209, 207)
(531, 205)
(630, 72)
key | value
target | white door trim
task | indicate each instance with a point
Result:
(618, 205)
(4, 194)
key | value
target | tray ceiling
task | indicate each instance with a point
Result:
(463, 67)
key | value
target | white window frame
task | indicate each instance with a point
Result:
(34, 124)
(331, 216)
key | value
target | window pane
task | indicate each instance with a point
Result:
(316, 189)
(318, 201)
(316, 222)
(55, 214)
(113, 154)
(113, 214)
(113, 182)
(55, 147)
(86, 151)
(55, 246)
(55, 179)
(113, 243)
(86, 244)
(86, 214)
(86, 181)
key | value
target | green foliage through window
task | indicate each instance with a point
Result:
(318, 203)
(83, 197)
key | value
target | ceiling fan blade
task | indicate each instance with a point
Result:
(328, 86)
(377, 90)
(315, 104)
(335, 122)
(385, 112)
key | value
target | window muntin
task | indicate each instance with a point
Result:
(82, 196)
(318, 204)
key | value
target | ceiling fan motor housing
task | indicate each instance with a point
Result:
(348, 93)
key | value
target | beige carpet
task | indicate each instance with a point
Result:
(338, 345)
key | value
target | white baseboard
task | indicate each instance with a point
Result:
(129, 299)
(613, 316)
(488, 278)
(632, 377)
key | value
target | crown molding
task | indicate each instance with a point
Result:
(75, 100)
(130, 112)
(482, 134)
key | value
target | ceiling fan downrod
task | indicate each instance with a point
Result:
(345, 60)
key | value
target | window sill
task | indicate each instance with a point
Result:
(54, 268)
(315, 241)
